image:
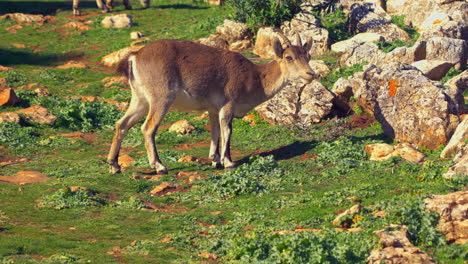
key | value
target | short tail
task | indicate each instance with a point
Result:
(124, 67)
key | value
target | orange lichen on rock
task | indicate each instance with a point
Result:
(437, 21)
(392, 85)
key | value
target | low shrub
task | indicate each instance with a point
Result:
(66, 198)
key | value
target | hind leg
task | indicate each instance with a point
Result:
(145, 3)
(157, 111)
(136, 110)
(214, 147)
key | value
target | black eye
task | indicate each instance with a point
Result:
(289, 58)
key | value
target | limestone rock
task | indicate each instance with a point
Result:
(126, 161)
(238, 35)
(78, 25)
(359, 52)
(361, 37)
(447, 49)
(8, 97)
(25, 177)
(5, 69)
(457, 142)
(338, 221)
(372, 18)
(117, 21)
(449, 29)
(160, 188)
(434, 18)
(303, 105)
(214, 2)
(319, 68)
(453, 211)
(408, 54)
(433, 69)
(10, 117)
(72, 64)
(455, 89)
(461, 166)
(315, 39)
(382, 151)
(182, 127)
(395, 90)
(188, 158)
(136, 35)
(38, 114)
(115, 57)
(397, 248)
(27, 18)
(214, 41)
(41, 92)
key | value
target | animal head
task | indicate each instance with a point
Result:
(293, 60)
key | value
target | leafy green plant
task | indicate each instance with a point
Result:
(344, 72)
(335, 23)
(16, 136)
(450, 74)
(259, 176)
(66, 198)
(263, 13)
(139, 247)
(389, 46)
(62, 259)
(400, 22)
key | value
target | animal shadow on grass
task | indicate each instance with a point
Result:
(9, 57)
(292, 150)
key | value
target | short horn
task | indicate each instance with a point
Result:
(286, 41)
(298, 40)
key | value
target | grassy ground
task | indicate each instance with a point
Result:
(290, 178)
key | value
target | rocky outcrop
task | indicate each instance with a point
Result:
(38, 114)
(408, 54)
(28, 18)
(395, 90)
(453, 211)
(359, 52)
(461, 164)
(230, 35)
(314, 38)
(455, 88)
(397, 248)
(342, 46)
(8, 97)
(265, 40)
(447, 49)
(117, 21)
(383, 151)
(295, 104)
(372, 18)
(457, 142)
(433, 69)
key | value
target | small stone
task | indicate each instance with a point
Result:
(117, 21)
(380, 151)
(182, 127)
(126, 161)
(41, 92)
(25, 177)
(8, 97)
(188, 158)
(3, 82)
(78, 26)
(38, 114)
(204, 115)
(160, 188)
(72, 64)
(136, 35)
(351, 211)
(14, 29)
(10, 117)
(409, 153)
(249, 119)
(5, 69)
(166, 240)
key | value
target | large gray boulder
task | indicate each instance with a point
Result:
(455, 88)
(372, 18)
(447, 49)
(315, 38)
(298, 105)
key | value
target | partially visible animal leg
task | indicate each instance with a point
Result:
(102, 6)
(127, 4)
(215, 132)
(76, 8)
(158, 109)
(145, 3)
(136, 110)
(225, 120)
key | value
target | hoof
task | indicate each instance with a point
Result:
(162, 171)
(128, 7)
(216, 165)
(115, 170)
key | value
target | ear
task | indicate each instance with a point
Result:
(298, 40)
(278, 49)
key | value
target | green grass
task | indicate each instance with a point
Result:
(288, 178)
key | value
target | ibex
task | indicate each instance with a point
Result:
(191, 76)
(107, 5)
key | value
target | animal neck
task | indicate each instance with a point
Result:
(273, 79)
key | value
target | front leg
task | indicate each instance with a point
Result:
(226, 115)
(76, 8)
(214, 146)
(102, 6)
